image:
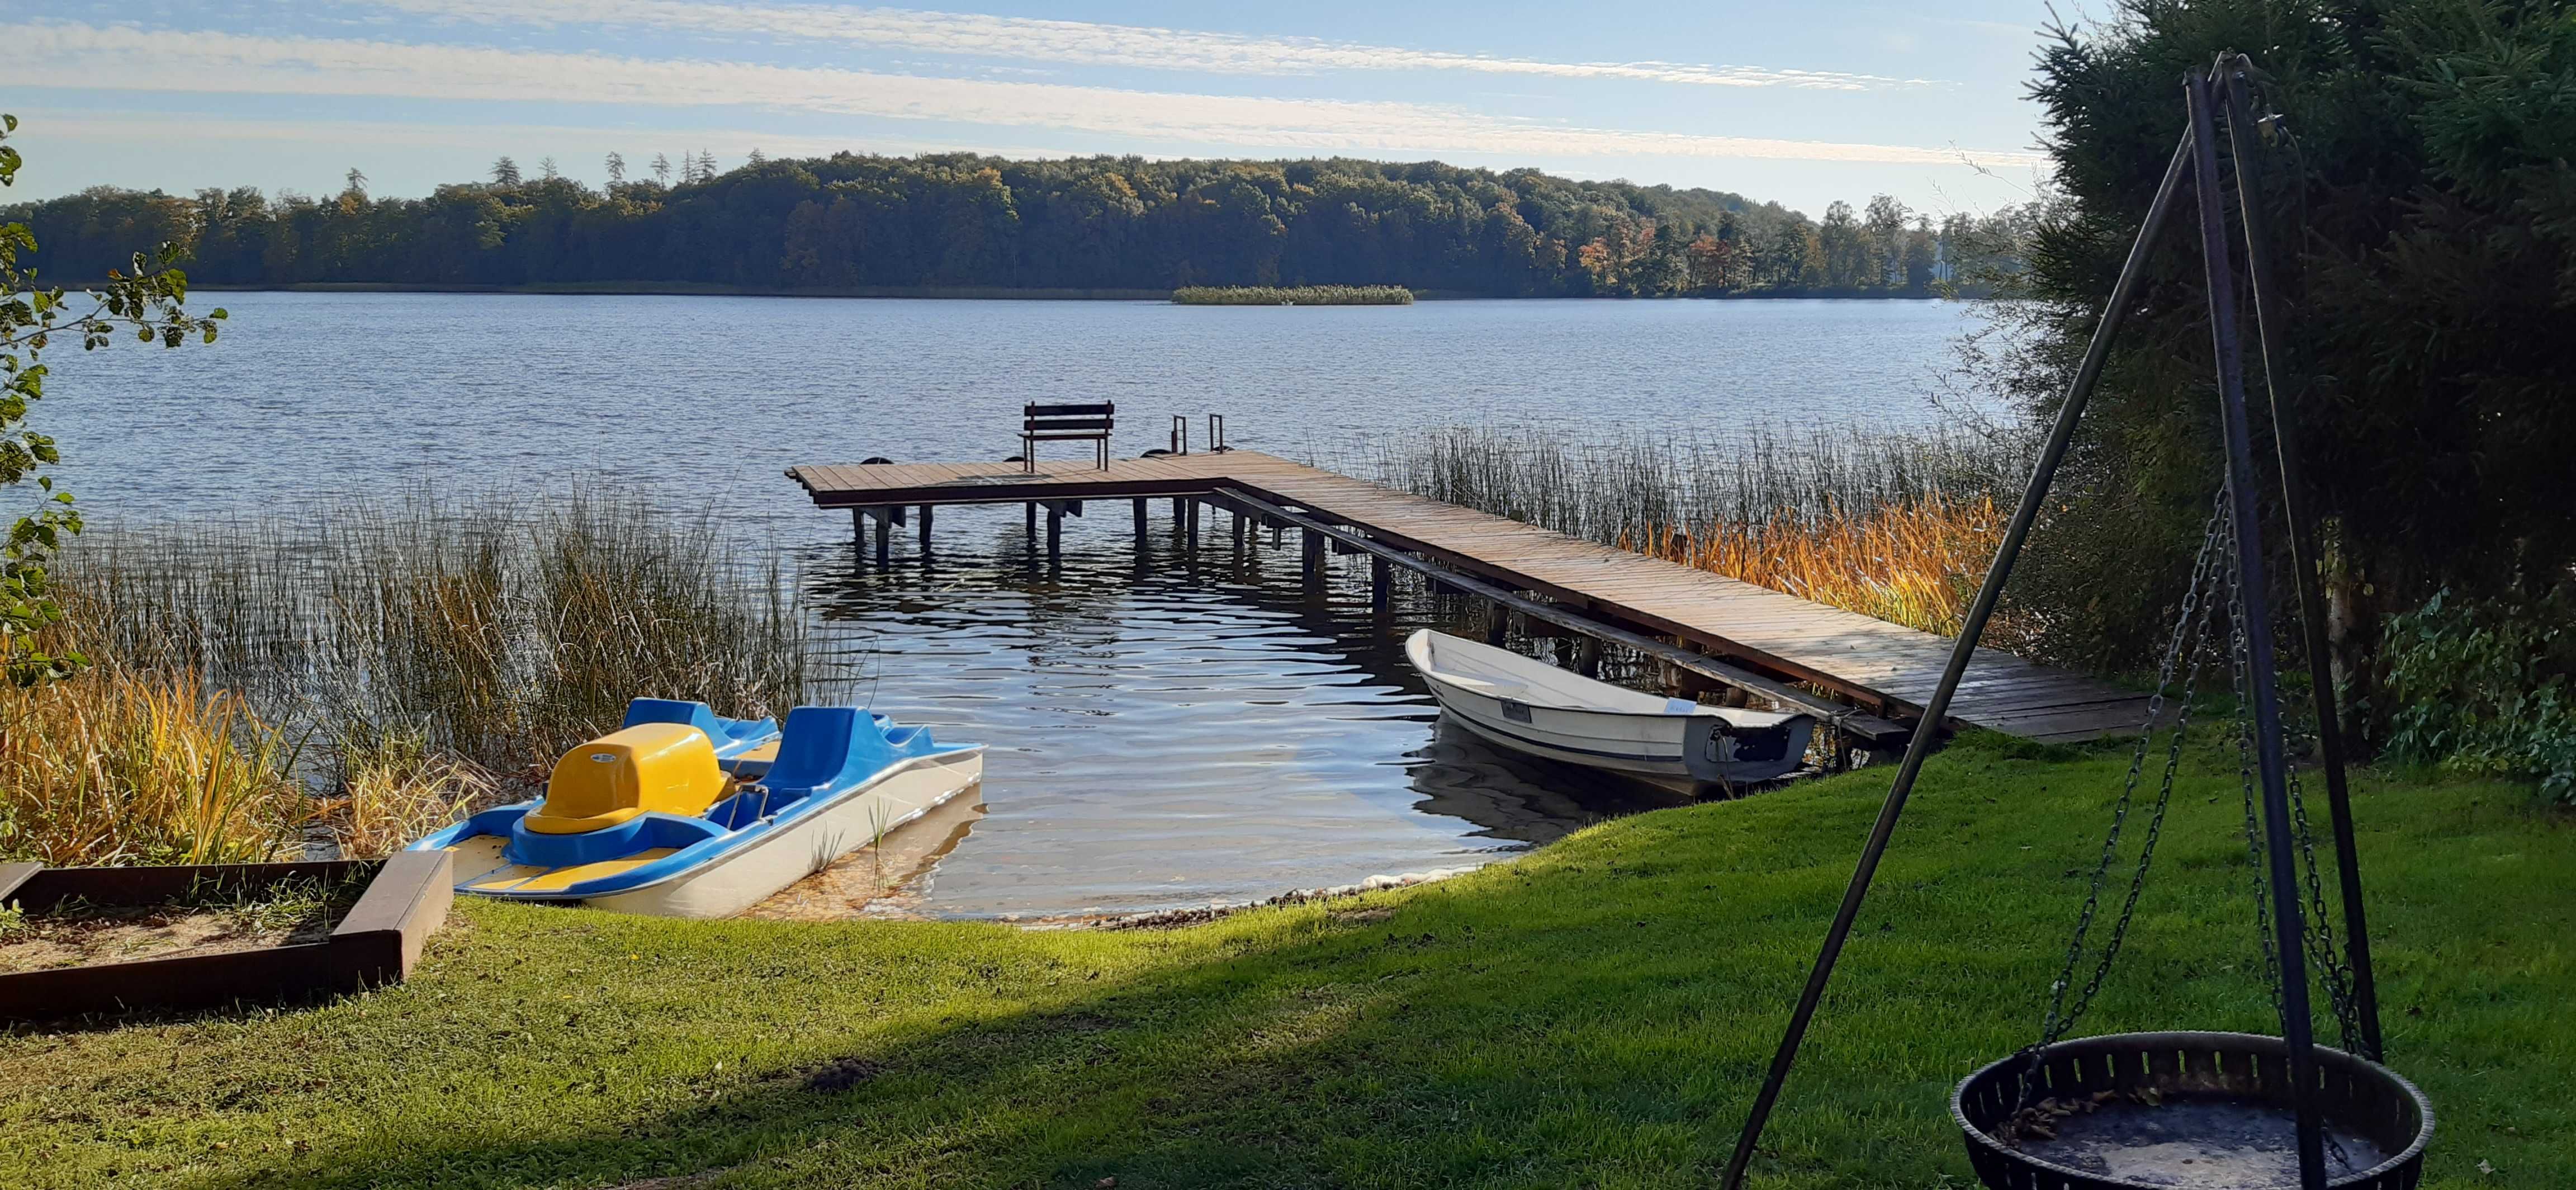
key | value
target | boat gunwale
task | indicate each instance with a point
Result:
(729, 844)
(1442, 677)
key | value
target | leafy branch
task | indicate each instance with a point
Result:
(148, 302)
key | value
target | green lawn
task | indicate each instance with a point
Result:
(1595, 1014)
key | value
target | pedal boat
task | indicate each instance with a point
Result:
(1534, 708)
(682, 813)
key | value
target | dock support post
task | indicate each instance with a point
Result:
(1140, 518)
(1314, 560)
(1587, 656)
(1381, 585)
(1238, 533)
(925, 530)
(859, 528)
(1498, 624)
(1192, 533)
(1180, 509)
(1055, 535)
(1033, 522)
(885, 537)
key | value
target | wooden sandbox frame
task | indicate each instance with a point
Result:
(376, 944)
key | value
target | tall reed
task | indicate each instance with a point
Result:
(437, 650)
(501, 629)
(122, 767)
(394, 789)
(1894, 526)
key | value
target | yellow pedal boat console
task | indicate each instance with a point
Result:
(668, 768)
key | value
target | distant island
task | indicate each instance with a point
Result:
(964, 225)
(1300, 295)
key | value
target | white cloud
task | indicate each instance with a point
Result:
(46, 130)
(1088, 43)
(57, 54)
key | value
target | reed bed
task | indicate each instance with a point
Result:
(1894, 526)
(431, 652)
(394, 789)
(121, 767)
(1295, 295)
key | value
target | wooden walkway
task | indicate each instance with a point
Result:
(1880, 667)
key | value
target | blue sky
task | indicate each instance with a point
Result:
(1802, 103)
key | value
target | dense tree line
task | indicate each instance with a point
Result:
(2422, 214)
(851, 221)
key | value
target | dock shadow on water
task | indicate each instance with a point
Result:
(1166, 730)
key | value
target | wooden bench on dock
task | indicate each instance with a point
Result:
(1065, 423)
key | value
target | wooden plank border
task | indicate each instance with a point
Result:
(377, 943)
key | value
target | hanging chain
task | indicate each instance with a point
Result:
(2324, 951)
(2190, 635)
(2242, 658)
(2317, 940)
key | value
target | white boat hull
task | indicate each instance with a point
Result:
(738, 880)
(1534, 708)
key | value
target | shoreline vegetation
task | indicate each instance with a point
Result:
(368, 671)
(1896, 526)
(362, 673)
(1296, 295)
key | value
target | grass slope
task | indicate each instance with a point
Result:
(1595, 1014)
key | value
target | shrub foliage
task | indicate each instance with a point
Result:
(2422, 213)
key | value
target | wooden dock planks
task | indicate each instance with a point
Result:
(1887, 668)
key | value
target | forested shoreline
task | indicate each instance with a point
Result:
(969, 224)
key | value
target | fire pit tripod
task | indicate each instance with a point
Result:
(2187, 1109)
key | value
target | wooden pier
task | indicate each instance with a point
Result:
(1707, 629)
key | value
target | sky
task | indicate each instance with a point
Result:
(1802, 103)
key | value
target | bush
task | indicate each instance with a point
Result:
(2485, 687)
(2421, 205)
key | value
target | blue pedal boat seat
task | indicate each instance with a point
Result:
(733, 738)
(823, 751)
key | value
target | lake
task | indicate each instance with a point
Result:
(1165, 731)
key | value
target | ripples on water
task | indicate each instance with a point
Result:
(712, 398)
(1160, 736)
(1166, 732)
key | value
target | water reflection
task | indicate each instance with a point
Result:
(1165, 729)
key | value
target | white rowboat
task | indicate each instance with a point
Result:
(1535, 708)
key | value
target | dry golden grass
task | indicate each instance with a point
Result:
(121, 767)
(395, 790)
(1914, 562)
(1896, 526)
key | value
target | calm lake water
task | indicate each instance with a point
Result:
(1165, 732)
